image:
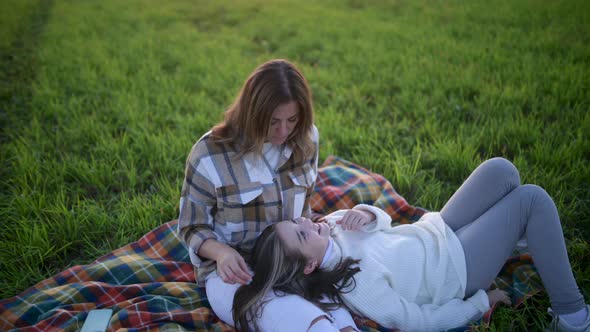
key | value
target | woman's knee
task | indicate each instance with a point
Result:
(502, 169)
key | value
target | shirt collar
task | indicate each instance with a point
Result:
(285, 155)
(285, 151)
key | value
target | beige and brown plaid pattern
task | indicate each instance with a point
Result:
(233, 199)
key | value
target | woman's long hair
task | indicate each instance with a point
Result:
(280, 269)
(247, 121)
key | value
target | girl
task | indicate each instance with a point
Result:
(427, 276)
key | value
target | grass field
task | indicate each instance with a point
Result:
(102, 100)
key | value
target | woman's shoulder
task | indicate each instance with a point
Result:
(315, 134)
(207, 146)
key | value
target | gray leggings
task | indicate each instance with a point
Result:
(491, 211)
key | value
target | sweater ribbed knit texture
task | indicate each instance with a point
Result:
(412, 276)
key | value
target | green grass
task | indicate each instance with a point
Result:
(102, 100)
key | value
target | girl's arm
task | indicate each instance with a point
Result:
(377, 220)
(378, 301)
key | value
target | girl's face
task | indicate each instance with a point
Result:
(283, 122)
(311, 239)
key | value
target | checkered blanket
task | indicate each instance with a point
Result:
(149, 284)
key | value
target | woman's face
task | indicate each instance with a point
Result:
(311, 239)
(282, 123)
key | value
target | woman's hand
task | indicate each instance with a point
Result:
(353, 220)
(232, 268)
(497, 295)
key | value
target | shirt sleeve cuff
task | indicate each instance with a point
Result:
(195, 244)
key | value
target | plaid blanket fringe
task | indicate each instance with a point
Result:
(150, 286)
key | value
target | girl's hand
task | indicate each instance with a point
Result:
(353, 220)
(232, 268)
(497, 295)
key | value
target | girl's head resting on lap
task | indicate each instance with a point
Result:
(274, 266)
(305, 237)
(283, 264)
(275, 106)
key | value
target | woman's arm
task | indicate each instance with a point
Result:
(231, 266)
(196, 222)
(197, 200)
(306, 212)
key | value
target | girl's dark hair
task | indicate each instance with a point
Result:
(247, 121)
(280, 269)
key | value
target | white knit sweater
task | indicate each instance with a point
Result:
(412, 277)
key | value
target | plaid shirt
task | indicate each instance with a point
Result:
(232, 200)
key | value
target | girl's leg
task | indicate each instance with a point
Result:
(486, 185)
(527, 210)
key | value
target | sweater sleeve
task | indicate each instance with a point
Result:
(386, 307)
(382, 219)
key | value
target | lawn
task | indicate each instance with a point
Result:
(100, 102)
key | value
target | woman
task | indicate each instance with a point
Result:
(430, 275)
(256, 167)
